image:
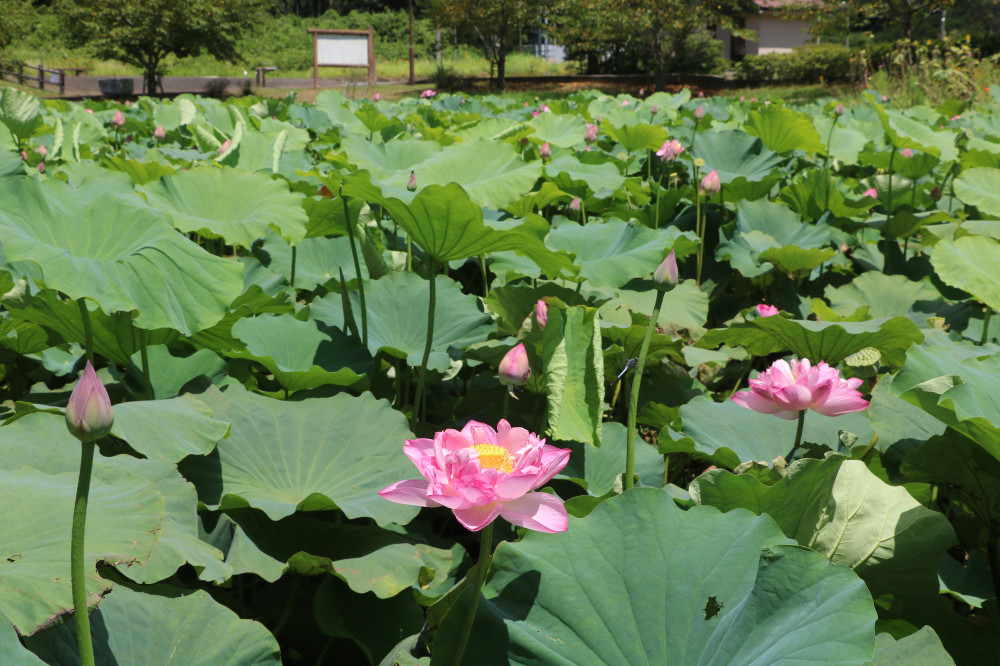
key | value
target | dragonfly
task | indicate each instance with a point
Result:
(629, 364)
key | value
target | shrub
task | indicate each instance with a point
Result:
(806, 64)
(700, 53)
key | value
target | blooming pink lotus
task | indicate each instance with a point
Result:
(481, 473)
(545, 152)
(428, 93)
(870, 192)
(591, 134)
(789, 387)
(670, 150)
(765, 310)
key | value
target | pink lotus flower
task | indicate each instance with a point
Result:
(225, 146)
(89, 110)
(840, 109)
(88, 414)
(118, 119)
(699, 113)
(906, 152)
(480, 473)
(41, 167)
(428, 93)
(43, 151)
(624, 102)
(787, 388)
(574, 204)
(655, 109)
(24, 155)
(870, 192)
(670, 150)
(541, 313)
(411, 184)
(710, 184)
(545, 152)
(378, 96)
(534, 114)
(514, 369)
(159, 133)
(591, 135)
(765, 310)
(956, 118)
(665, 275)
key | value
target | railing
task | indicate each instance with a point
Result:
(17, 71)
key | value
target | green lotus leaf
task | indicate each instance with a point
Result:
(922, 648)
(574, 374)
(734, 154)
(168, 429)
(637, 137)
(979, 187)
(20, 112)
(317, 260)
(236, 205)
(903, 132)
(12, 652)
(162, 626)
(173, 114)
(310, 455)
(684, 308)
(169, 374)
(597, 594)
(562, 130)
(602, 178)
(968, 263)
(100, 242)
(884, 295)
(841, 510)
(783, 129)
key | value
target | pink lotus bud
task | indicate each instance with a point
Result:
(527, 105)
(378, 96)
(699, 113)
(870, 192)
(41, 167)
(118, 119)
(544, 108)
(906, 152)
(655, 109)
(574, 205)
(936, 193)
(624, 102)
(840, 109)
(225, 146)
(514, 368)
(591, 135)
(665, 275)
(884, 99)
(42, 151)
(545, 151)
(411, 184)
(541, 313)
(90, 110)
(597, 120)
(956, 118)
(88, 414)
(670, 150)
(534, 114)
(742, 98)
(24, 155)
(428, 93)
(642, 92)
(710, 183)
(159, 133)
(701, 94)
(765, 310)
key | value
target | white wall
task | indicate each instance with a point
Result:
(776, 35)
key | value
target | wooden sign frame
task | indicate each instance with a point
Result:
(330, 36)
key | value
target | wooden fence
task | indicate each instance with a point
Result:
(43, 76)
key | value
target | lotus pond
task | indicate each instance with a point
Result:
(640, 381)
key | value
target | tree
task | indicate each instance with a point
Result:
(144, 32)
(13, 15)
(901, 17)
(496, 23)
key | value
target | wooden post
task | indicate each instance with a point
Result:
(41, 77)
(20, 73)
(62, 82)
(371, 57)
(315, 62)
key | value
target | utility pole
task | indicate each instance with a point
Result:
(412, 79)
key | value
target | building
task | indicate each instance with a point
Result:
(779, 29)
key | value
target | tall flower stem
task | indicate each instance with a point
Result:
(77, 556)
(485, 547)
(147, 383)
(506, 402)
(826, 164)
(88, 331)
(633, 403)
(699, 229)
(986, 326)
(798, 435)
(888, 203)
(422, 374)
(295, 257)
(357, 272)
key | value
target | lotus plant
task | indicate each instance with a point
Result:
(788, 388)
(541, 313)
(89, 417)
(765, 310)
(482, 474)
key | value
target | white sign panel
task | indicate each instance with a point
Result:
(342, 50)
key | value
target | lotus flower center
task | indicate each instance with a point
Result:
(492, 456)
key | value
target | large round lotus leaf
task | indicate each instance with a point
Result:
(164, 627)
(302, 354)
(640, 136)
(980, 187)
(733, 154)
(385, 160)
(397, 317)
(168, 429)
(603, 178)
(840, 509)
(311, 455)
(12, 653)
(233, 204)
(968, 263)
(732, 434)
(42, 442)
(123, 525)
(615, 252)
(562, 130)
(640, 581)
(317, 260)
(100, 242)
(783, 129)
(883, 295)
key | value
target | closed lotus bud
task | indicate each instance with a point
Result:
(574, 205)
(514, 368)
(41, 167)
(541, 313)
(411, 184)
(936, 194)
(24, 155)
(665, 275)
(591, 135)
(840, 109)
(710, 183)
(699, 113)
(88, 414)
(906, 152)
(42, 151)
(655, 109)
(159, 133)
(378, 96)
(118, 119)
(225, 146)
(545, 151)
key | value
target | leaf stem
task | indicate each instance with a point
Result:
(485, 547)
(147, 383)
(986, 326)
(826, 163)
(77, 555)
(798, 435)
(295, 256)
(88, 331)
(428, 343)
(506, 402)
(633, 404)
(357, 273)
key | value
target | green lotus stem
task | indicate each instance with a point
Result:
(986, 326)
(700, 232)
(357, 273)
(485, 546)
(888, 206)
(868, 449)
(994, 558)
(77, 556)
(286, 613)
(486, 280)
(147, 384)
(88, 331)
(826, 163)
(798, 435)
(409, 252)
(633, 403)
(422, 374)
(295, 256)
(583, 212)
(666, 469)
(506, 403)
